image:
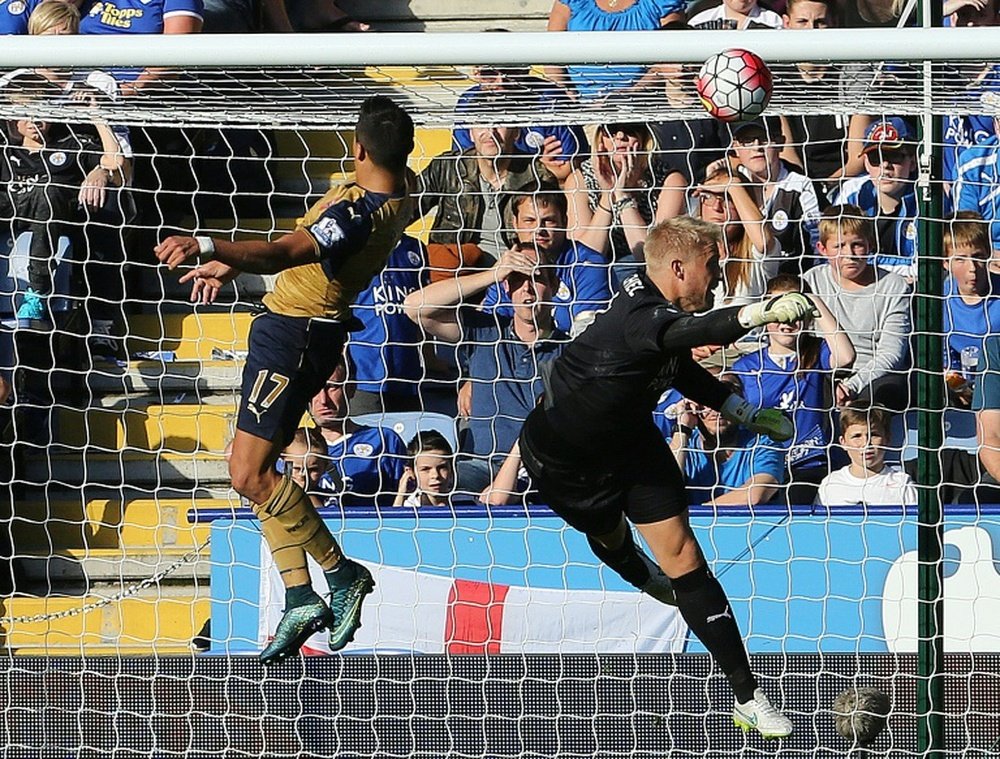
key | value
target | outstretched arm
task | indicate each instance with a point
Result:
(257, 256)
(435, 307)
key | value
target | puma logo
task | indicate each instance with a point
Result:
(715, 617)
(255, 411)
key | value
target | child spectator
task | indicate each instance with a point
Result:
(868, 480)
(429, 476)
(792, 373)
(888, 194)
(871, 305)
(736, 14)
(304, 460)
(54, 17)
(366, 462)
(972, 297)
(788, 199)
(725, 464)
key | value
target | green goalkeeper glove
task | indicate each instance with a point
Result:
(785, 308)
(763, 421)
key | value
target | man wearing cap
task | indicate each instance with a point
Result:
(888, 194)
(978, 185)
(788, 199)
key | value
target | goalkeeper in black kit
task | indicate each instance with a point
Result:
(604, 387)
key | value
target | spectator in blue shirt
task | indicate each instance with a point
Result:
(583, 274)
(725, 464)
(503, 355)
(792, 372)
(365, 462)
(504, 85)
(384, 357)
(888, 194)
(971, 296)
(977, 187)
(14, 15)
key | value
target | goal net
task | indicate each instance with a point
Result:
(138, 589)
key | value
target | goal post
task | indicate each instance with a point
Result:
(826, 597)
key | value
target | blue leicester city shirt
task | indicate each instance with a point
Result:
(14, 15)
(899, 247)
(384, 356)
(369, 462)
(506, 379)
(133, 16)
(967, 326)
(584, 285)
(752, 455)
(769, 384)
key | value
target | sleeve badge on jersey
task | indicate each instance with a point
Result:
(632, 285)
(327, 232)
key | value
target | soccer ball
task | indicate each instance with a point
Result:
(860, 714)
(734, 85)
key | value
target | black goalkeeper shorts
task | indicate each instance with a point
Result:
(592, 489)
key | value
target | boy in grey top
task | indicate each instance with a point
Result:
(871, 305)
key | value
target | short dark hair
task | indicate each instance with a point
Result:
(543, 194)
(428, 440)
(386, 132)
(873, 417)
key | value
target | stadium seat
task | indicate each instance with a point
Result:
(14, 272)
(406, 424)
(959, 432)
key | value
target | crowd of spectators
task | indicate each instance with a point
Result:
(531, 228)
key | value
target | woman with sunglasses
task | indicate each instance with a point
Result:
(621, 191)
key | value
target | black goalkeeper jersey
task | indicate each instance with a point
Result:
(610, 378)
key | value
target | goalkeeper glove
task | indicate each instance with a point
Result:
(785, 308)
(763, 421)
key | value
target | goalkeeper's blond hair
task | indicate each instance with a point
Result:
(680, 237)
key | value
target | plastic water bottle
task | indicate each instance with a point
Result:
(970, 362)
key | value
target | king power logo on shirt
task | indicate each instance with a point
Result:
(389, 298)
(111, 15)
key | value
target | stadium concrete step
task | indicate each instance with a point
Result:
(185, 423)
(191, 376)
(43, 527)
(127, 469)
(453, 16)
(157, 620)
(194, 334)
(87, 566)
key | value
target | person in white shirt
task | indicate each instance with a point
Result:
(868, 480)
(737, 14)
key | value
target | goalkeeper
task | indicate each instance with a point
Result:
(342, 242)
(605, 386)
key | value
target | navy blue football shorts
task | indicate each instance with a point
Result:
(290, 359)
(592, 490)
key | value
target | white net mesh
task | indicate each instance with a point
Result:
(126, 541)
